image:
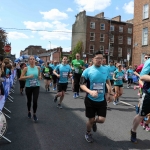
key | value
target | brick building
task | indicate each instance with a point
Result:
(141, 40)
(32, 50)
(111, 36)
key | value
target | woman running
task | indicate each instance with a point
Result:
(118, 83)
(47, 73)
(31, 74)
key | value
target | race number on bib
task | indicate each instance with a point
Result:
(33, 82)
(65, 74)
(111, 73)
(47, 75)
(99, 87)
(76, 70)
(120, 77)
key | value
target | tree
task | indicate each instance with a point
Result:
(3, 40)
(77, 49)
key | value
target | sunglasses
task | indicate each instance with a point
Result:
(147, 57)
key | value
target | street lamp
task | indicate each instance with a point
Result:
(50, 44)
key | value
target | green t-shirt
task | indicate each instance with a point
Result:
(76, 64)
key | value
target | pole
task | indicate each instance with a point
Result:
(50, 44)
(109, 43)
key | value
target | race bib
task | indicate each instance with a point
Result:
(111, 73)
(33, 82)
(65, 74)
(47, 75)
(120, 77)
(99, 87)
(76, 70)
(130, 74)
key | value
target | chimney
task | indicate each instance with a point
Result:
(100, 15)
(117, 18)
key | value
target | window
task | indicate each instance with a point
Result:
(92, 36)
(102, 26)
(130, 30)
(120, 40)
(111, 38)
(145, 36)
(145, 11)
(119, 52)
(129, 41)
(92, 25)
(102, 49)
(111, 51)
(112, 28)
(129, 51)
(91, 49)
(120, 29)
(102, 37)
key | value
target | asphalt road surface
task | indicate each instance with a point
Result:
(64, 129)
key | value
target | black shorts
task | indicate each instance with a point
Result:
(130, 80)
(145, 105)
(54, 77)
(95, 108)
(62, 87)
(119, 85)
(47, 78)
(112, 82)
(22, 84)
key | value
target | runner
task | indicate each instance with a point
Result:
(130, 73)
(47, 73)
(77, 66)
(118, 83)
(32, 75)
(145, 102)
(93, 81)
(62, 71)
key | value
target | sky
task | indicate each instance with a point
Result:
(48, 23)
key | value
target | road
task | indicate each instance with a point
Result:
(64, 129)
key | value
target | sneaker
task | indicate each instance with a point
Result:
(35, 118)
(29, 115)
(54, 89)
(88, 137)
(55, 99)
(147, 128)
(94, 127)
(128, 87)
(134, 87)
(142, 123)
(114, 102)
(75, 95)
(144, 126)
(59, 106)
(133, 137)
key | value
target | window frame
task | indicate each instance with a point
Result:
(102, 37)
(111, 28)
(130, 31)
(111, 38)
(119, 48)
(120, 40)
(121, 31)
(129, 43)
(101, 26)
(144, 37)
(144, 12)
(103, 49)
(92, 36)
(91, 26)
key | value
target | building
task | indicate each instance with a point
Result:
(32, 50)
(111, 36)
(141, 27)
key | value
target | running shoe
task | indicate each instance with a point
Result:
(59, 106)
(94, 127)
(29, 115)
(134, 87)
(88, 137)
(133, 137)
(144, 126)
(55, 99)
(147, 128)
(54, 89)
(35, 118)
(114, 102)
(75, 95)
(142, 123)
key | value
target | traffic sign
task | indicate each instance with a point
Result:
(7, 48)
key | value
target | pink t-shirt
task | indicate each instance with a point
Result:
(139, 68)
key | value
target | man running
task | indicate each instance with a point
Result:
(93, 81)
(62, 71)
(77, 66)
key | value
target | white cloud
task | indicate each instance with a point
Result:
(67, 49)
(92, 5)
(54, 14)
(37, 25)
(69, 10)
(129, 7)
(51, 46)
(117, 8)
(17, 35)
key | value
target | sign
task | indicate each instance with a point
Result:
(84, 55)
(7, 48)
(128, 57)
(106, 51)
(3, 124)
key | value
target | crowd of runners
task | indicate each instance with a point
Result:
(103, 84)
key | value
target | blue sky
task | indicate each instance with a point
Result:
(55, 16)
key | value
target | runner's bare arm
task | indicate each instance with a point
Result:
(39, 73)
(145, 78)
(55, 73)
(23, 77)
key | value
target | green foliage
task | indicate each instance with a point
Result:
(3, 40)
(77, 49)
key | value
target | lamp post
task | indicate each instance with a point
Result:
(109, 42)
(50, 44)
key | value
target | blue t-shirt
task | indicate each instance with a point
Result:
(96, 78)
(111, 71)
(119, 76)
(51, 65)
(63, 71)
(130, 73)
(7, 71)
(146, 71)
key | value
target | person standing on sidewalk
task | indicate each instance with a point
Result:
(62, 71)
(77, 67)
(93, 82)
(145, 101)
(32, 75)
